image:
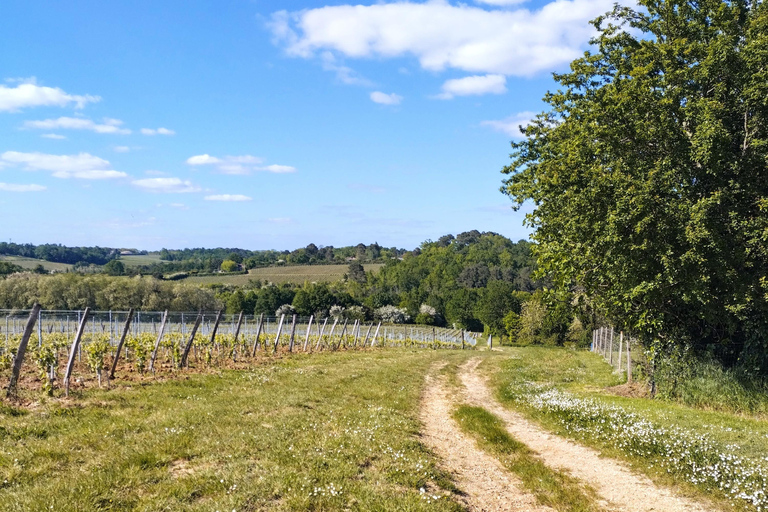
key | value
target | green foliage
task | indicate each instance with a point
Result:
(498, 299)
(7, 268)
(229, 266)
(647, 176)
(114, 268)
(95, 351)
(141, 346)
(45, 358)
(356, 272)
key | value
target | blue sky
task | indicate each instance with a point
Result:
(265, 124)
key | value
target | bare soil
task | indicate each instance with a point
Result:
(613, 480)
(486, 484)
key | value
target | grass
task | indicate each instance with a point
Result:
(137, 260)
(30, 263)
(552, 488)
(298, 274)
(566, 391)
(328, 431)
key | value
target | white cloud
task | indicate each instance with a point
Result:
(166, 185)
(158, 131)
(511, 125)
(519, 42)
(474, 86)
(228, 198)
(344, 74)
(244, 164)
(386, 99)
(79, 123)
(202, 160)
(121, 149)
(277, 169)
(54, 136)
(500, 3)
(30, 94)
(12, 187)
(82, 166)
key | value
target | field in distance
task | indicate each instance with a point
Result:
(141, 259)
(31, 263)
(290, 274)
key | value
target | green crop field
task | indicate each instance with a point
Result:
(291, 274)
(33, 262)
(140, 259)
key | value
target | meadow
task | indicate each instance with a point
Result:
(30, 263)
(296, 274)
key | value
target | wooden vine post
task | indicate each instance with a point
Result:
(258, 333)
(629, 360)
(309, 327)
(279, 329)
(126, 329)
(621, 347)
(341, 338)
(330, 336)
(160, 333)
(215, 327)
(191, 340)
(19, 359)
(376, 334)
(293, 333)
(367, 334)
(320, 336)
(237, 334)
(610, 348)
(73, 350)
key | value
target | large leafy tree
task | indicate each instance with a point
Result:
(649, 175)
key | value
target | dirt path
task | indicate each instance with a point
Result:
(614, 482)
(487, 485)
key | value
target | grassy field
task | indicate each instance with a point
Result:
(290, 274)
(575, 394)
(33, 262)
(330, 431)
(140, 259)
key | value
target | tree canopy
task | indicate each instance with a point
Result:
(648, 176)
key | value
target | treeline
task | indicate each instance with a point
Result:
(77, 291)
(60, 254)
(476, 281)
(211, 260)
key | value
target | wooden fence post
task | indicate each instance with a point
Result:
(629, 360)
(191, 340)
(610, 349)
(367, 334)
(330, 335)
(309, 327)
(376, 334)
(237, 330)
(215, 328)
(341, 338)
(126, 329)
(320, 336)
(356, 331)
(160, 333)
(19, 359)
(621, 347)
(73, 351)
(462, 339)
(279, 329)
(258, 333)
(293, 333)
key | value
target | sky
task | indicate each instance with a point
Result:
(270, 125)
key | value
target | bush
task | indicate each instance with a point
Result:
(392, 315)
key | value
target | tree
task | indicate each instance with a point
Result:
(647, 175)
(114, 268)
(229, 266)
(356, 272)
(495, 302)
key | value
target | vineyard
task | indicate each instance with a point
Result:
(74, 348)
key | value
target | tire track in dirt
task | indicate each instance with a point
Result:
(613, 480)
(487, 485)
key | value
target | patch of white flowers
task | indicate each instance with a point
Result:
(688, 455)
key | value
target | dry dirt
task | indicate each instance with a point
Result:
(613, 480)
(486, 484)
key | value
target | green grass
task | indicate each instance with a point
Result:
(298, 274)
(30, 263)
(552, 488)
(329, 431)
(140, 259)
(585, 375)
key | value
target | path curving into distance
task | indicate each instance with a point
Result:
(613, 480)
(486, 484)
